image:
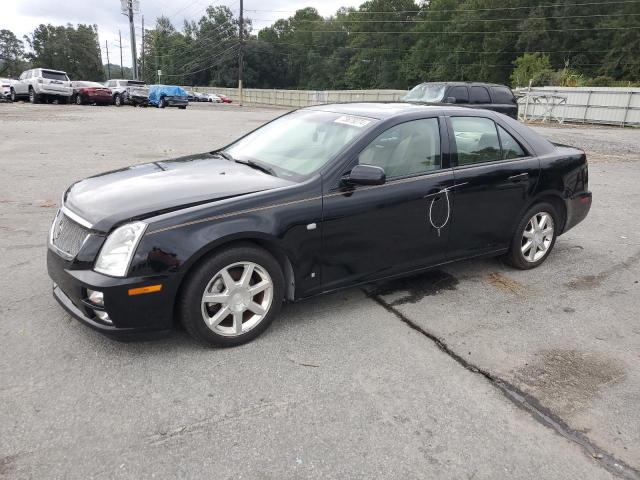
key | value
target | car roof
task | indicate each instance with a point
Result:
(468, 84)
(382, 110)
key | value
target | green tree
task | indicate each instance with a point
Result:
(12, 61)
(531, 66)
(74, 50)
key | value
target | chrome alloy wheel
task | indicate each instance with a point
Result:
(237, 299)
(537, 237)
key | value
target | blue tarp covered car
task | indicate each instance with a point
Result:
(168, 96)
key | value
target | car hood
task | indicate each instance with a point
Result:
(141, 191)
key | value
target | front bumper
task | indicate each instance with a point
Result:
(131, 315)
(578, 207)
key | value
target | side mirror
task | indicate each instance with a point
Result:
(366, 175)
(450, 100)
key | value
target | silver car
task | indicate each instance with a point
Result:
(40, 84)
(133, 92)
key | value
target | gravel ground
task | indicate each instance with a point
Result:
(471, 371)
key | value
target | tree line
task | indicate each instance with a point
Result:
(381, 44)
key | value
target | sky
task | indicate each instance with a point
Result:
(23, 16)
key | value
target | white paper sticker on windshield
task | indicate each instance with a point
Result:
(353, 121)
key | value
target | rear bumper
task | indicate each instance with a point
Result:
(99, 98)
(578, 207)
(131, 315)
(40, 90)
(176, 101)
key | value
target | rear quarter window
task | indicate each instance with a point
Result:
(502, 95)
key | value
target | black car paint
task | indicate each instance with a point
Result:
(326, 233)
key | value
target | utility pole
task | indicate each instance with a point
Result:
(142, 52)
(106, 45)
(240, 59)
(132, 35)
(121, 67)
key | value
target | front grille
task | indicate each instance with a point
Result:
(68, 236)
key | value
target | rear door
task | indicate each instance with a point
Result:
(495, 178)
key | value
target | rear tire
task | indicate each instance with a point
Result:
(534, 238)
(33, 96)
(79, 100)
(13, 95)
(117, 100)
(162, 103)
(236, 315)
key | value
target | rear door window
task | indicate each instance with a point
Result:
(502, 95)
(51, 75)
(480, 95)
(510, 146)
(460, 94)
(476, 140)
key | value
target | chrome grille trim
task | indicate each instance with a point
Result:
(67, 236)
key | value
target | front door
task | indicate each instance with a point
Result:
(371, 232)
(495, 178)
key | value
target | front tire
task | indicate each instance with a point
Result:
(13, 96)
(232, 296)
(535, 237)
(162, 103)
(79, 100)
(117, 100)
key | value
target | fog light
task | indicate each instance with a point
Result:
(103, 316)
(95, 297)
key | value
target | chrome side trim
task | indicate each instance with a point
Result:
(76, 218)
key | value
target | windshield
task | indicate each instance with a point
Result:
(426, 92)
(51, 75)
(300, 143)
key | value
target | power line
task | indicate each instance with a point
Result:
(458, 20)
(220, 56)
(429, 50)
(456, 10)
(352, 32)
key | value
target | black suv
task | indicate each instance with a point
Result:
(490, 96)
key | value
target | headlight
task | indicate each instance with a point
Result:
(117, 252)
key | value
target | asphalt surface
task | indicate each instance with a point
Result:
(471, 371)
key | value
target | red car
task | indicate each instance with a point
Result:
(91, 92)
(224, 98)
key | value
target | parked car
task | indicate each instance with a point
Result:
(91, 92)
(168, 96)
(5, 88)
(191, 96)
(320, 199)
(212, 97)
(131, 92)
(224, 98)
(200, 97)
(42, 84)
(488, 96)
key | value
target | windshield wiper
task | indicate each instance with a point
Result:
(250, 163)
(257, 166)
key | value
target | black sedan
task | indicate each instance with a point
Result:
(317, 200)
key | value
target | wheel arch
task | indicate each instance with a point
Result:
(263, 241)
(555, 199)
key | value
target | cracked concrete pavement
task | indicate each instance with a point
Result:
(338, 387)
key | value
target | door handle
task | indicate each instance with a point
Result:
(519, 177)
